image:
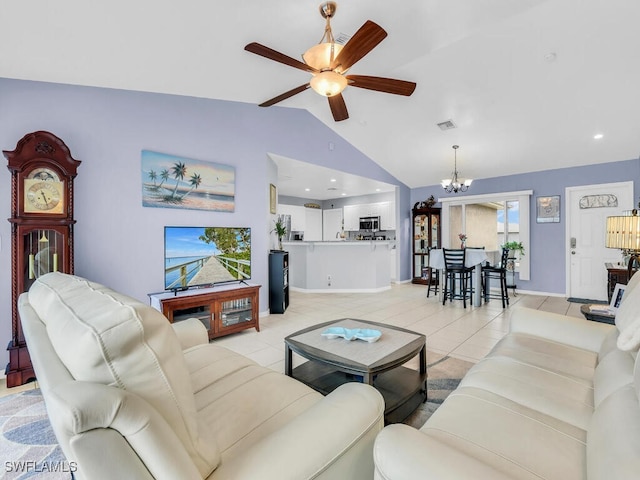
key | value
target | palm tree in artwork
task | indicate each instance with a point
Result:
(179, 170)
(195, 180)
(164, 175)
(153, 176)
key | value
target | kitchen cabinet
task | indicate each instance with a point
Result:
(351, 217)
(387, 216)
(385, 210)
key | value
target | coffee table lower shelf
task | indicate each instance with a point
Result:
(403, 389)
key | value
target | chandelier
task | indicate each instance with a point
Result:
(454, 184)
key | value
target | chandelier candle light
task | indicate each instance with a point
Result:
(454, 184)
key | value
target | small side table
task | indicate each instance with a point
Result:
(597, 316)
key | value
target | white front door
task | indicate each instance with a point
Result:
(587, 210)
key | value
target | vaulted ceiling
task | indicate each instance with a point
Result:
(527, 83)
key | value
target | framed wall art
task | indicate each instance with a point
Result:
(616, 298)
(548, 209)
(169, 181)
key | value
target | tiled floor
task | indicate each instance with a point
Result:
(467, 334)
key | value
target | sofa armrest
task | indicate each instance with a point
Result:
(191, 332)
(403, 453)
(124, 422)
(577, 332)
(331, 440)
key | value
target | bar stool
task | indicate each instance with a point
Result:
(456, 271)
(497, 272)
(433, 281)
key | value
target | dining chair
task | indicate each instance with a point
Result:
(433, 278)
(472, 281)
(456, 272)
(497, 272)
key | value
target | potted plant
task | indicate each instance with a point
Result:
(281, 231)
(515, 246)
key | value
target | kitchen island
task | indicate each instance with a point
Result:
(357, 267)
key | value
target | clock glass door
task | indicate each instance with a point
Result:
(44, 252)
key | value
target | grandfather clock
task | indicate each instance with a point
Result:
(42, 173)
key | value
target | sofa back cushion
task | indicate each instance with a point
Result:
(628, 316)
(105, 337)
(613, 438)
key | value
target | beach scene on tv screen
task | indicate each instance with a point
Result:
(196, 256)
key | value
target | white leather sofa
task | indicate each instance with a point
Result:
(131, 397)
(557, 398)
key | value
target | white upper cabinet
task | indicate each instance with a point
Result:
(351, 217)
(385, 210)
(388, 219)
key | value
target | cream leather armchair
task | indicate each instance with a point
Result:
(131, 397)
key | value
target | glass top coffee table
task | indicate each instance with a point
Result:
(334, 361)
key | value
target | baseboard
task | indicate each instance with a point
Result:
(340, 290)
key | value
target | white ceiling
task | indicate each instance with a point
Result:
(528, 83)
(300, 179)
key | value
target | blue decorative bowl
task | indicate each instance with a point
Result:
(366, 334)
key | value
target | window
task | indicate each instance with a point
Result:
(489, 221)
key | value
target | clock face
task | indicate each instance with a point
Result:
(43, 196)
(44, 174)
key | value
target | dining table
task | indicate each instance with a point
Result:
(474, 257)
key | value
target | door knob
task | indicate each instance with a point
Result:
(573, 252)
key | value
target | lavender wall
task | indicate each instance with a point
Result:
(120, 243)
(547, 240)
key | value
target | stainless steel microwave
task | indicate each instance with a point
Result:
(369, 223)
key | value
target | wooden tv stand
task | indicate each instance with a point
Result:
(223, 309)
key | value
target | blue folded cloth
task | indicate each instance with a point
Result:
(366, 334)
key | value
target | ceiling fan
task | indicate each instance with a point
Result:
(329, 62)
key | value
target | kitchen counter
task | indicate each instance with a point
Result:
(358, 266)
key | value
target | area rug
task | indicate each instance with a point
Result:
(443, 376)
(28, 446)
(29, 450)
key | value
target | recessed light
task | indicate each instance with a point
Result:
(307, 189)
(377, 189)
(343, 194)
(333, 180)
(598, 136)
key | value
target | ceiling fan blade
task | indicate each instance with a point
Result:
(285, 95)
(271, 54)
(338, 107)
(363, 41)
(381, 84)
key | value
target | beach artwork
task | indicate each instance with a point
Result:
(169, 181)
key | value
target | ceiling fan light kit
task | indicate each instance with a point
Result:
(455, 184)
(321, 56)
(329, 61)
(328, 83)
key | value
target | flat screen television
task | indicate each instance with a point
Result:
(202, 256)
